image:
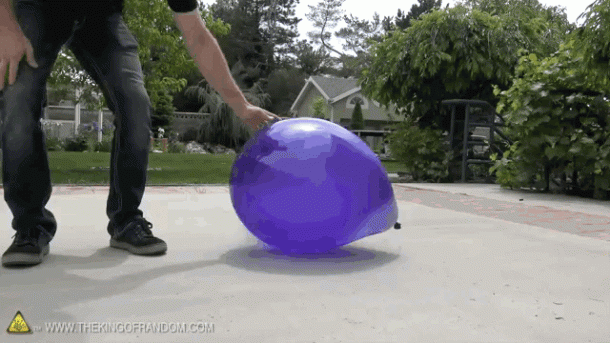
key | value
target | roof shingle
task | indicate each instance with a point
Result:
(334, 86)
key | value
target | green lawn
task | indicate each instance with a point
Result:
(90, 168)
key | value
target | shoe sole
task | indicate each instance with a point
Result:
(155, 249)
(22, 259)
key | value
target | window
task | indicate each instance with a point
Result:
(357, 98)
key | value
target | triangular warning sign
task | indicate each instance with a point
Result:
(18, 325)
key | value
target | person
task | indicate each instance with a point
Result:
(32, 33)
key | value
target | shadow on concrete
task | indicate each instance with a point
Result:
(342, 260)
(42, 293)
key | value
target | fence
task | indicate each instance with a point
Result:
(63, 121)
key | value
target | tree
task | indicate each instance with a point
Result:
(358, 35)
(357, 119)
(403, 19)
(163, 55)
(262, 31)
(592, 41)
(558, 114)
(223, 126)
(560, 120)
(453, 53)
(311, 61)
(325, 16)
(545, 27)
(283, 86)
(319, 108)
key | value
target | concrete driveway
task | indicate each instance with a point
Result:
(472, 263)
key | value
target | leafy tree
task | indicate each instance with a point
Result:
(403, 19)
(163, 55)
(284, 85)
(421, 151)
(558, 115)
(325, 16)
(447, 54)
(164, 58)
(358, 35)
(319, 107)
(453, 53)
(262, 32)
(544, 27)
(592, 41)
(311, 61)
(223, 126)
(163, 113)
(357, 119)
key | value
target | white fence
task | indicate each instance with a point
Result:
(64, 121)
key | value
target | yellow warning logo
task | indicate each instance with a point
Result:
(18, 325)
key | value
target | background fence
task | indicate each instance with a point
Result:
(62, 121)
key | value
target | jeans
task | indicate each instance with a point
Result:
(107, 51)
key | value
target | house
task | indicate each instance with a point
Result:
(341, 96)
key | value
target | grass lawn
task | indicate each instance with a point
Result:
(90, 168)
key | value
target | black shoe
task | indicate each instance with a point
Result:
(28, 248)
(137, 238)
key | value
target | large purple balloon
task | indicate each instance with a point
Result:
(307, 185)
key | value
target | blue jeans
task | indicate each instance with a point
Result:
(107, 50)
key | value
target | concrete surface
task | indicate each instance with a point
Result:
(472, 263)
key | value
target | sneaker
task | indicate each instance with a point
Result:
(137, 238)
(28, 248)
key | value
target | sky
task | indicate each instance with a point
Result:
(364, 9)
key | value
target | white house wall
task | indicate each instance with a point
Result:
(373, 113)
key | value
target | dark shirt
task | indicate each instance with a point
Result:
(179, 6)
(106, 6)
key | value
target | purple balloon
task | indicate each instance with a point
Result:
(307, 185)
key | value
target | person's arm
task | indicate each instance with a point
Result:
(206, 52)
(7, 18)
(211, 61)
(13, 44)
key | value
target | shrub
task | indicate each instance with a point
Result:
(54, 144)
(176, 148)
(77, 143)
(422, 151)
(357, 119)
(189, 135)
(319, 108)
(104, 146)
(558, 118)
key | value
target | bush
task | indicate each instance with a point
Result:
(319, 108)
(422, 151)
(558, 118)
(176, 148)
(104, 146)
(77, 143)
(189, 135)
(224, 128)
(53, 144)
(357, 119)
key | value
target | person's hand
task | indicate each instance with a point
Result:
(255, 117)
(13, 45)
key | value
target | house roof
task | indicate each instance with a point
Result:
(332, 89)
(335, 86)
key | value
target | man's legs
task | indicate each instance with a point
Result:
(25, 166)
(108, 52)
